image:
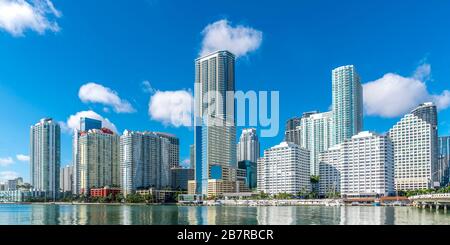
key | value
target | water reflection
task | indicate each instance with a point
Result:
(171, 214)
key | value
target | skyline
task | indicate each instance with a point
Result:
(267, 63)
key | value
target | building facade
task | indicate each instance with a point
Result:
(214, 120)
(248, 146)
(284, 168)
(414, 156)
(347, 100)
(66, 178)
(98, 159)
(45, 157)
(144, 161)
(174, 148)
(329, 172)
(367, 166)
(86, 124)
(180, 177)
(444, 160)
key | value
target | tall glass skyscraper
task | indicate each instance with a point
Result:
(347, 103)
(214, 131)
(444, 160)
(45, 157)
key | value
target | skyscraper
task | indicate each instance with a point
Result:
(428, 112)
(444, 160)
(367, 166)
(66, 178)
(45, 156)
(314, 132)
(144, 161)
(98, 159)
(248, 146)
(284, 168)
(414, 154)
(347, 103)
(174, 148)
(214, 131)
(86, 124)
(191, 156)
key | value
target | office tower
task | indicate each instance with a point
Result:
(414, 154)
(191, 156)
(284, 168)
(174, 149)
(367, 166)
(247, 170)
(98, 151)
(180, 177)
(329, 172)
(45, 157)
(444, 160)
(248, 146)
(86, 124)
(314, 133)
(293, 131)
(144, 161)
(14, 184)
(218, 149)
(66, 179)
(292, 123)
(428, 112)
(214, 131)
(347, 103)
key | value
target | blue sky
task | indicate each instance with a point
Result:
(51, 51)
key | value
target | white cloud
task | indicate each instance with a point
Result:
(23, 158)
(96, 93)
(147, 87)
(394, 95)
(16, 16)
(73, 122)
(239, 40)
(8, 175)
(6, 161)
(423, 72)
(172, 107)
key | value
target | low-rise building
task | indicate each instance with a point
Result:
(179, 177)
(104, 192)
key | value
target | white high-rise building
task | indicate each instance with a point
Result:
(248, 146)
(362, 166)
(367, 166)
(284, 169)
(98, 159)
(329, 171)
(347, 103)
(85, 124)
(414, 154)
(45, 157)
(66, 178)
(314, 133)
(174, 149)
(144, 161)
